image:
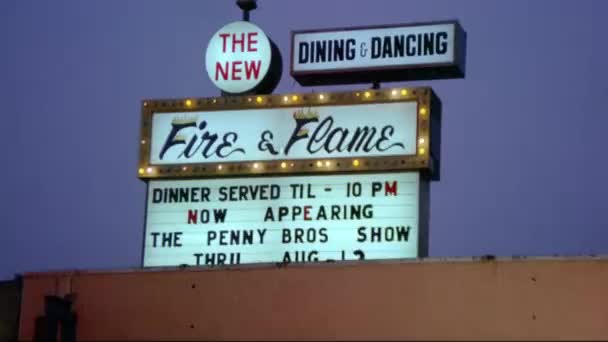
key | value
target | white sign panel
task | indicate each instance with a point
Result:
(377, 47)
(378, 129)
(386, 53)
(238, 57)
(282, 219)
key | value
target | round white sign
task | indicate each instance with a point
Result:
(238, 57)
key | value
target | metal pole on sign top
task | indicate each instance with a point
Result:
(247, 6)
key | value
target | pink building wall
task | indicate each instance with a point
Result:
(541, 299)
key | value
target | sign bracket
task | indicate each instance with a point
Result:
(247, 6)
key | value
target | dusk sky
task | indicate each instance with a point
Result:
(523, 135)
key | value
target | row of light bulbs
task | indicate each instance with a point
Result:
(258, 165)
(284, 165)
(293, 98)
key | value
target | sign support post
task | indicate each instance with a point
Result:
(247, 6)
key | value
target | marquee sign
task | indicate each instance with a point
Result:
(392, 129)
(379, 53)
(286, 219)
(240, 59)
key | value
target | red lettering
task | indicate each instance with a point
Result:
(219, 70)
(252, 67)
(236, 70)
(307, 213)
(251, 42)
(192, 216)
(224, 37)
(390, 189)
(236, 42)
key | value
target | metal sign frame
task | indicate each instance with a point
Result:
(389, 73)
(422, 239)
(425, 160)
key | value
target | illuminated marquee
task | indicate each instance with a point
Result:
(392, 129)
(286, 219)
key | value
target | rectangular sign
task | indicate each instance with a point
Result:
(265, 134)
(286, 219)
(355, 131)
(379, 53)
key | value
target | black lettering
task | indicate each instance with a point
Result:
(286, 236)
(157, 195)
(350, 49)
(248, 237)
(376, 47)
(359, 253)
(314, 139)
(173, 195)
(321, 214)
(219, 215)
(389, 234)
(283, 211)
(323, 235)
(387, 132)
(338, 50)
(170, 142)
(298, 133)
(204, 194)
(338, 147)
(194, 194)
(429, 46)
(335, 212)
(303, 53)
(387, 48)
(441, 43)
(295, 212)
(376, 234)
(403, 233)
(286, 257)
(183, 195)
(262, 233)
(298, 234)
(361, 236)
(361, 133)
(204, 216)
(368, 211)
(320, 55)
(376, 187)
(227, 144)
(223, 237)
(398, 46)
(410, 42)
(166, 239)
(211, 235)
(235, 237)
(198, 258)
(212, 138)
(154, 237)
(269, 215)
(355, 212)
(223, 195)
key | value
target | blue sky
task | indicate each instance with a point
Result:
(523, 140)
